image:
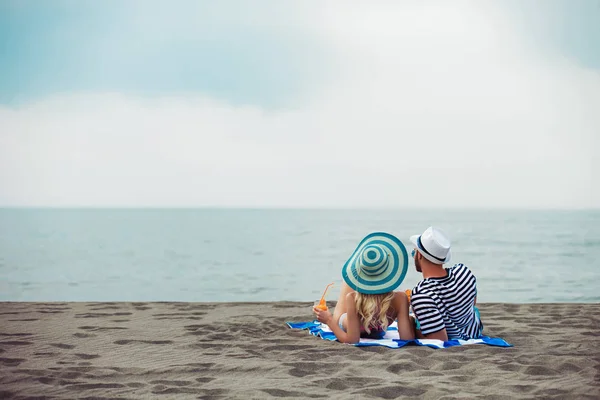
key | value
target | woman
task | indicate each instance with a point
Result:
(368, 304)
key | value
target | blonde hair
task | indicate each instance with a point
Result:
(373, 308)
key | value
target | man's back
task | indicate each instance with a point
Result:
(448, 302)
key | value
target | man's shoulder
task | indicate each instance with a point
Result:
(424, 288)
(422, 298)
(460, 268)
(430, 287)
(420, 286)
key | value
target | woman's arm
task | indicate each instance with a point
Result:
(353, 324)
(406, 329)
(340, 307)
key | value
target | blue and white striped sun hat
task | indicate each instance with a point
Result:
(378, 265)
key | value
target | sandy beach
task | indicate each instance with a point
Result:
(245, 350)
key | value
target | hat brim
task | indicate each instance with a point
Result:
(414, 239)
(390, 278)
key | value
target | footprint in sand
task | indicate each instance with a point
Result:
(101, 328)
(16, 334)
(161, 389)
(11, 362)
(46, 354)
(87, 356)
(289, 393)
(91, 386)
(23, 320)
(102, 315)
(124, 342)
(16, 343)
(62, 346)
(84, 335)
(393, 392)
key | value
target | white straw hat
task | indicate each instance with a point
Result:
(434, 245)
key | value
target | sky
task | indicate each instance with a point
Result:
(300, 103)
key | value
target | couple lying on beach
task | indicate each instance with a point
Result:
(443, 302)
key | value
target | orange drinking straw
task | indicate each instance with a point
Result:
(322, 305)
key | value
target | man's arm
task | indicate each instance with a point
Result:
(431, 322)
(440, 335)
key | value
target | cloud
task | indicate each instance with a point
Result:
(239, 52)
(431, 105)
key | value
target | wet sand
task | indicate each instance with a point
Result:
(245, 350)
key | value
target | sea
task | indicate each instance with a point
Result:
(257, 255)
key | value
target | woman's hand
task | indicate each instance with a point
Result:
(323, 316)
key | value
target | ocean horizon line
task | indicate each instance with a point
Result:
(297, 208)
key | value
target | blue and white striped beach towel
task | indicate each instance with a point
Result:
(392, 339)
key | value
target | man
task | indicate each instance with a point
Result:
(444, 301)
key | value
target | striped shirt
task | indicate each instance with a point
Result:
(448, 302)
